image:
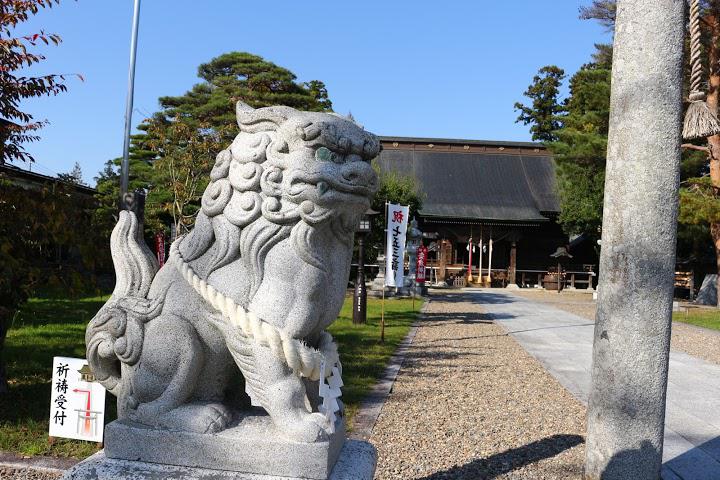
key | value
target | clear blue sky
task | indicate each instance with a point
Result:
(408, 68)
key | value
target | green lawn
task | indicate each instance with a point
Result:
(44, 328)
(48, 327)
(702, 317)
(363, 356)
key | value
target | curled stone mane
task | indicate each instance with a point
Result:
(244, 210)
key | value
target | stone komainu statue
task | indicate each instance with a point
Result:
(253, 286)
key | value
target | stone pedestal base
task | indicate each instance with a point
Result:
(251, 446)
(356, 461)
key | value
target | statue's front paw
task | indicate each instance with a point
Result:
(198, 418)
(310, 428)
(148, 413)
(126, 406)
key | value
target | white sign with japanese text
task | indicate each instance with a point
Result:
(77, 401)
(397, 222)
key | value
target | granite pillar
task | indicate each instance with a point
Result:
(632, 333)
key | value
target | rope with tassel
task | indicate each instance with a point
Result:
(700, 121)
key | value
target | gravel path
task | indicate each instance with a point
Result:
(470, 403)
(26, 474)
(19, 467)
(696, 341)
(581, 304)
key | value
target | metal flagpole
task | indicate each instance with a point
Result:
(124, 169)
(382, 303)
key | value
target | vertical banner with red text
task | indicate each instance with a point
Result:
(397, 222)
(422, 254)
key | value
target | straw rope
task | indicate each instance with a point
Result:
(700, 120)
(696, 74)
(302, 359)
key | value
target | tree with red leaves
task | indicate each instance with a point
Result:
(18, 127)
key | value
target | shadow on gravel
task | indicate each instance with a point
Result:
(553, 327)
(460, 296)
(463, 317)
(509, 460)
(493, 298)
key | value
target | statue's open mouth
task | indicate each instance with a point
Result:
(301, 183)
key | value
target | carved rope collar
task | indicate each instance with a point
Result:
(301, 358)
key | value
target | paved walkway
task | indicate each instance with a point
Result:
(562, 342)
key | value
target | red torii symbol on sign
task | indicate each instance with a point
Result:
(87, 408)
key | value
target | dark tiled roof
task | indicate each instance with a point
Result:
(30, 179)
(460, 141)
(480, 186)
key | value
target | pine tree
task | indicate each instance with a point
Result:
(604, 11)
(542, 116)
(73, 176)
(207, 110)
(580, 150)
(575, 130)
(242, 76)
(140, 178)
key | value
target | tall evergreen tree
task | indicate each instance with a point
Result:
(580, 150)
(73, 176)
(579, 137)
(575, 131)
(581, 141)
(542, 116)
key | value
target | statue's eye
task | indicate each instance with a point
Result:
(322, 154)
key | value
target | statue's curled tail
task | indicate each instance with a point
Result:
(114, 336)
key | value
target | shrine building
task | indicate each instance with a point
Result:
(499, 198)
